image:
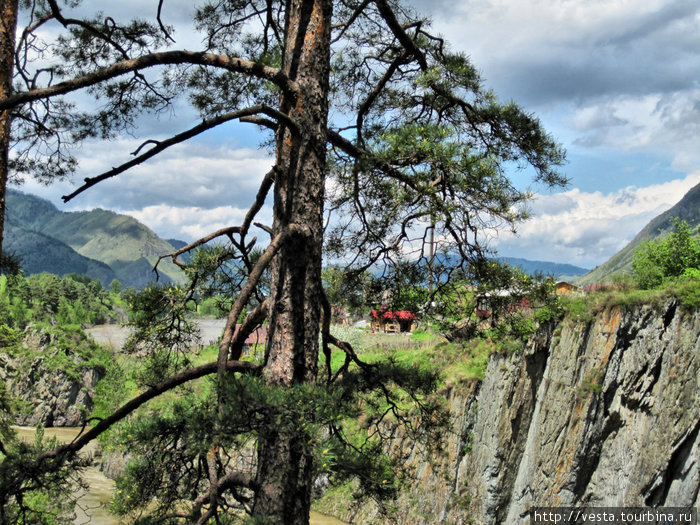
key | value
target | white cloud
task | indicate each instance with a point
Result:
(587, 228)
(191, 222)
(190, 174)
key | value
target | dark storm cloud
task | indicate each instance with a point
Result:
(556, 54)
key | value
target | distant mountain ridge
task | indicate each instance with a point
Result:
(557, 270)
(99, 243)
(687, 209)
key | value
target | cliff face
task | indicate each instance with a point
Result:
(605, 413)
(599, 413)
(56, 384)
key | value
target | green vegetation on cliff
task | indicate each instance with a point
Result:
(687, 209)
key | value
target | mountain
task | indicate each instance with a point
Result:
(99, 243)
(687, 209)
(40, 253)
(547, 268)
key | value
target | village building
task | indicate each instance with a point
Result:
(563, 288)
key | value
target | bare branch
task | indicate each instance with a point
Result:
(355, 15)
(160, 22)
(160, 146)
(264, 227)
(251, 283)
(218, 233)
(65, 22)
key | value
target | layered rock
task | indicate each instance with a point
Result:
(603, 412)
(55, 383)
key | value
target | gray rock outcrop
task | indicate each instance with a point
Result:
(51, 394)
(604, 412)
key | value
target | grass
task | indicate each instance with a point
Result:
(458, 362)
(622, 294)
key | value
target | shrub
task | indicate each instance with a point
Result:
(671, 256)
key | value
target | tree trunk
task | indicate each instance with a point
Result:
(8, 25)
(285, 470)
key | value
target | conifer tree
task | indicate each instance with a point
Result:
(418, 145)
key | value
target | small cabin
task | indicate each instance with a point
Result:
(393, 321)
(563, 288)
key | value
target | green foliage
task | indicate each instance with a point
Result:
(671, 256)
(400, 287)
(592, 383)
(430, 151)
(334, 424)
(546, 314)
(46, 298)
(163, 330)
(115, 286)
(350, 290)
(34, 491)
(10, 264)
(212, 307)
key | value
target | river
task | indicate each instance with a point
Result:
(115, 335)
(91, 508)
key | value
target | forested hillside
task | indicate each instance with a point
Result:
(98, 243)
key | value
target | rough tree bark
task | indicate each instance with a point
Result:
(8, 25)
(284, 468)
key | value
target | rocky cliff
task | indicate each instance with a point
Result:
(602, 412)
(54, 374)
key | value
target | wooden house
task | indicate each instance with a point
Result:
(563, 288)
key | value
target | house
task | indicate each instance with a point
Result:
(563, 288)
(393, 321)
(255, 340)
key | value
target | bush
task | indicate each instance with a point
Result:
(672, 256)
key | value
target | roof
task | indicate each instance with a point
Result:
(256, 337)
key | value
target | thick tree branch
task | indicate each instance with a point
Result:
(230, 480)
(263, 190)
(228, 231)
(247, 290)
(340, 142)
(252, 321)
(185, 376)
(399, 32)
(234, 64)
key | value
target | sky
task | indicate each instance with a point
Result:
(616, 82)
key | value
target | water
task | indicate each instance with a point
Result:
(116, 335)
(91, 508)
(92, 504)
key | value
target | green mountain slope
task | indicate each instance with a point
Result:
(40, 253)
(687, 209)
(122, 243)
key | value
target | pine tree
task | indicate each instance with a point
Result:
(420, 145)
